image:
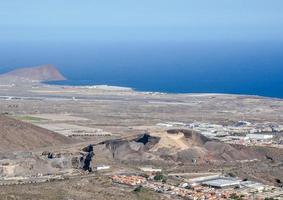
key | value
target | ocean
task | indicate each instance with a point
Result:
(238, 67)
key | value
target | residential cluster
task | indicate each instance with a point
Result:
(131, 180)
(239, 128)
(243, 132)
(205, 187)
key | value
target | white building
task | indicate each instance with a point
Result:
(149, 169)
(222, 182)
(102, 167)
(253, 185)
(258, 137)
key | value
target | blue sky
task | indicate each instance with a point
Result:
(25, 20)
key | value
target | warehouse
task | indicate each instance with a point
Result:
(253, 185)
(258, 137)
(222, 182)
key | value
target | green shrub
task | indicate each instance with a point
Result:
(159, 176)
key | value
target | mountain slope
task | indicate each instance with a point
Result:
(16, 135)
(38, 73)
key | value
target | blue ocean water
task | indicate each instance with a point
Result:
(237, 67)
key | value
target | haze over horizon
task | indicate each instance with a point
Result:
(125, 20)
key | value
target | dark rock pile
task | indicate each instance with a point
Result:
(86, 158)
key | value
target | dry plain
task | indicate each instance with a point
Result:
(125, 114)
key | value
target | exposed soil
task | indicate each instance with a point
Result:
(179, 145)
(17, 135)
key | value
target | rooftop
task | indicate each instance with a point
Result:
(222, 182)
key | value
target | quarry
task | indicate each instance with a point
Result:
(102, 142)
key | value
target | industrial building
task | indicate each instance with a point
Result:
(102, 167)
(258, 137)
(222, 182)
(252, 185)
(150, 169)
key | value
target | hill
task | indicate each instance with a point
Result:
(38, 73)
(178, 145)
(17, 135)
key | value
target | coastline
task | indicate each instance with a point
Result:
(122, 88)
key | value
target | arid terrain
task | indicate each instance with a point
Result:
(55, 138)
(17, 135)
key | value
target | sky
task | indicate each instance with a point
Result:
(144, 20)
